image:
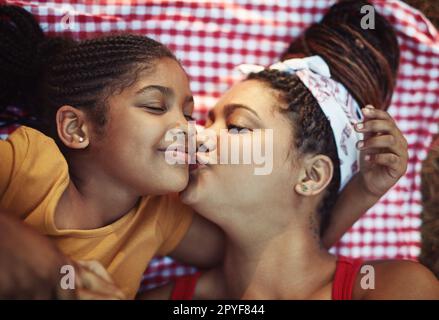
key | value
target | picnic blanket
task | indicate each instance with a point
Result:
(212, 37)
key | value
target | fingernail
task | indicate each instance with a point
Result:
(369, 106)
(367, 110)
(360, 144)
(367, 157)
(360, 126)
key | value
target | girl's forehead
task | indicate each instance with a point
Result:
(166, 73)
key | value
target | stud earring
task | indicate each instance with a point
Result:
(81, 139)
(304, 188)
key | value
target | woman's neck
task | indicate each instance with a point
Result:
(287, 263)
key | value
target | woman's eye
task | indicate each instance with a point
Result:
(237, 129)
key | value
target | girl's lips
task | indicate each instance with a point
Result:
(179, 156)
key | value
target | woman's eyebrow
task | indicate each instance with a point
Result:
(230, 108)
(168, 92)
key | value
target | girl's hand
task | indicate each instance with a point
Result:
(383, 152)
(94, 283)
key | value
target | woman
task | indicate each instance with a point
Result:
(273, 223)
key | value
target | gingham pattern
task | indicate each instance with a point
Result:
(211, 37)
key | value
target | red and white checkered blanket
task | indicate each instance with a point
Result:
(212, 37)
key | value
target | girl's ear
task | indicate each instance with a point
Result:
(315, 175)
(72, 127)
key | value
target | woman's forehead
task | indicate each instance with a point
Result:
(252, 93)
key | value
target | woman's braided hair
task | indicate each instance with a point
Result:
(312, 131)
(365, 61)
(40, 74)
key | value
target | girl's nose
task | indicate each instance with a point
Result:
(206, 139)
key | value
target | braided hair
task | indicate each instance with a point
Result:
(40, 74)
(312, 130)
(365, 61)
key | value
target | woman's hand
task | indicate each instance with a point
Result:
(383, 160)
(93, 282)
(383, 152)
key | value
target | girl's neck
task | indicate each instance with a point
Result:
(93, 200)
(287, 263)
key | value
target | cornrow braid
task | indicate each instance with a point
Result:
(63, 71)
(312, 130)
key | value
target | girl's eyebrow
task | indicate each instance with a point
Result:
(168, 92)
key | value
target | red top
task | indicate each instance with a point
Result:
(344, 278)
(342, 286)
(184, 287)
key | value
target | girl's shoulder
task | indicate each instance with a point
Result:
(32, 166)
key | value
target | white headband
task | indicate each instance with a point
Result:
(337, 104)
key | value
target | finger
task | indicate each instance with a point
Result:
(97, 268)
(370, 112)
(84, 294)
(377, 126)
(93, 282)
(387, 142)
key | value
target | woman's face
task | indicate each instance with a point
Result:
(132, 148)
(216, 190)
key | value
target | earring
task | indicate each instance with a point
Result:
(81, 139)
(304, 188)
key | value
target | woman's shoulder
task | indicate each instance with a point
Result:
(395, 279)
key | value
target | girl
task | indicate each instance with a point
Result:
(109, 195)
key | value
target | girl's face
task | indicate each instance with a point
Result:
(132, 148)
(216, 190)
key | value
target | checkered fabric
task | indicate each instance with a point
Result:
(212, 37)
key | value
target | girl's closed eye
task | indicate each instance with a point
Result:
(156, 109)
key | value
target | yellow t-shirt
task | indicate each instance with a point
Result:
(34, 175)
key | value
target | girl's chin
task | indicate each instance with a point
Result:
(193, 193)
(187, 196)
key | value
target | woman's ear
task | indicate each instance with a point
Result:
(72, 127)
(315, 175)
